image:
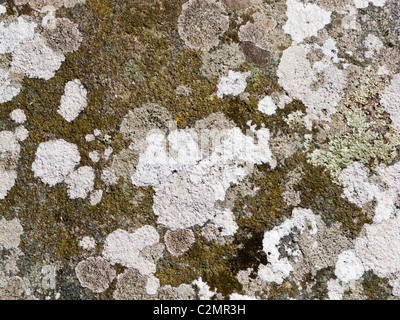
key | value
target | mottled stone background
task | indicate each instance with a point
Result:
(199, 149)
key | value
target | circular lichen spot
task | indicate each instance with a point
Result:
(63, 36)
(95, 273)
(179, 241)
(201, 23)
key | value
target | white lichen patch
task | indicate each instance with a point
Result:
(360, 4)
(80, 182)
(18, 116)
(87, 243)
(35, 59)
(359, 189)
(125, 248)
(7, 89)
(9, 156)
(187, 181)
(378, 249)
(90, 137)
(7, 181)
(335, 289)
(222, 225)
(349, 266)
(279, 268)
(94, 156)
(266, 105)
(15, 34)
(10, 233)
(390, 99)
(233, 84)
(55, 160)
(9, 146)
(95, 197)
(237, 296)
(304, 19)
(21, 133)
(205, 292)
(303, 81)
(73, 101)
(152, 285)
(195, 202)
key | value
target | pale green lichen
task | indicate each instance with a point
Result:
(359, 142)
(359, 131)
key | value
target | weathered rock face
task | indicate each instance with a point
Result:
(199, 149)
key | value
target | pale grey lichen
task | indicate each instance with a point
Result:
(73, 101)
(218, 62)
(80, 182)
(125, 248)
(185, 179)
(87, 243)
(8, 90)
(232, 84)
(10, 233)
(9, 156)
(18, 116)
(349, 266)
(266, 105)
(35, 59)
(15, 34)
(257, 31)
(55, 160)
(7, 181)
(390, 100)
(304, 19)
(300, 79)
(95, 273)
(378, 248)
(62, 35)
(201, 23)
(179, 241)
